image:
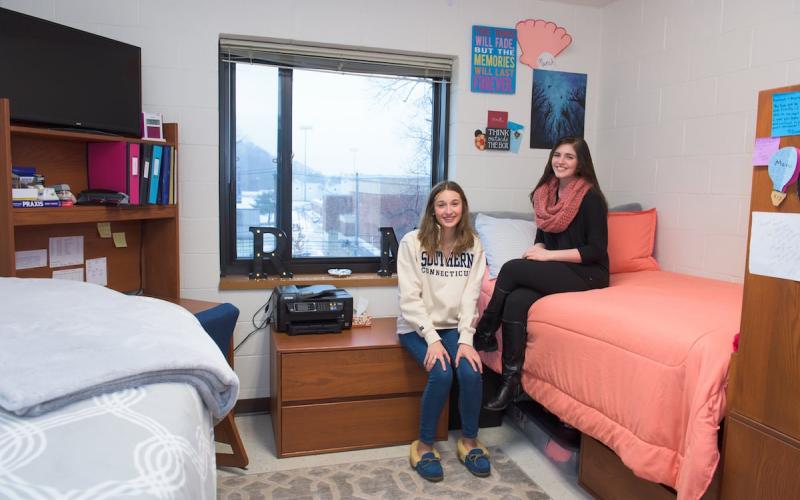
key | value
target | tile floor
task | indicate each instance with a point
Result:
(256, 432)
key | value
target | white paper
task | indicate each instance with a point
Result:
(66, 251)
(69, 274)
(775, 245)
(361, 305)
(28, 259)
(97, 271)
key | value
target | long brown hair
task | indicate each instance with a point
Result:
(429, 234)
(585, 167)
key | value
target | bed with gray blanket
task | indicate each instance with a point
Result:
(104, 395)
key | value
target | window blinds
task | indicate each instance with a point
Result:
(338, 58)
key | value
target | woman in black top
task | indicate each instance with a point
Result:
(569, 255)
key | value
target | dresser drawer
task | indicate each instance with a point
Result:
(309, 376)
(759, 464)
(328, 427)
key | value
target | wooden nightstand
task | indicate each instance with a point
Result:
(345, 391)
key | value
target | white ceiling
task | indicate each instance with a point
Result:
(586, 3)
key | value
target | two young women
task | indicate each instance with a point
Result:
(440, 269)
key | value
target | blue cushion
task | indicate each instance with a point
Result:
(220, 322)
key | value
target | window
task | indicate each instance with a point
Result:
(328, 144)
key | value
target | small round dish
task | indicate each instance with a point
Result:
(340, 272)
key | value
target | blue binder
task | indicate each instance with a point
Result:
(155, 176)
(166, 167)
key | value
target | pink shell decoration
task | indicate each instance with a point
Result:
(540, 41)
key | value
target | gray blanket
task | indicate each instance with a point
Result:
(64, 341)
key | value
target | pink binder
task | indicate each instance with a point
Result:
(133, 174)
(106, 164)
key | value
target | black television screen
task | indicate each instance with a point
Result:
(60, 76)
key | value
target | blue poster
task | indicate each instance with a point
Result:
(785, 114)
(494, 60)
(558, 106)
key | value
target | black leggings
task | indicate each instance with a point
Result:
(529, 280)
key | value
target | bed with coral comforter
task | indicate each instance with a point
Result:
(641, 366)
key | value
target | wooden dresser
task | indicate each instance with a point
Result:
(762, 432)
(345, 391)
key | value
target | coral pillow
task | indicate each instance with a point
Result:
(631, 237)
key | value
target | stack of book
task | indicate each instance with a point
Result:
(25, 177)
(28, 191)
(147, 173)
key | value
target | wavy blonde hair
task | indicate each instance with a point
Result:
(429, 234)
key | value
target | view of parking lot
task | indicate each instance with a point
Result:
(361, 160)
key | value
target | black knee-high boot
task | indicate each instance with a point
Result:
(485, 339)
(515, 338)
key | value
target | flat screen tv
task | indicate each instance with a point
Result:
(63, 77)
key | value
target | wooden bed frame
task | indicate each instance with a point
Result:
(604, 476)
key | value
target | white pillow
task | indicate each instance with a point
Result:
(503, 239)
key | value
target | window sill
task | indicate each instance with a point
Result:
(354, 280)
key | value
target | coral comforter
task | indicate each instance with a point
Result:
(641, 366)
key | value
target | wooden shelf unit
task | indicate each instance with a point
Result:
(762, 429)
(76, 214)
(150, 262)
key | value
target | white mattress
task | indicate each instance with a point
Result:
(154, 441)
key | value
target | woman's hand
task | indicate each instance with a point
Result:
(436, 352)
(469, 353)
(540, 253)
(536, 253)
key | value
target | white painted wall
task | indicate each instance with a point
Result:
(672, 100)
(179, 72)
(677, 117)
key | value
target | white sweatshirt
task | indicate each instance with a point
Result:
(436, 293)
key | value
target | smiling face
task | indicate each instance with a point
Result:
(447, 208)
(565, 162)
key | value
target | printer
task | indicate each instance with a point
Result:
(298, 310)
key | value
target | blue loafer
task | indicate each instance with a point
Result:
(476, 460)
(428, 466)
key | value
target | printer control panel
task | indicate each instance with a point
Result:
(332, 306)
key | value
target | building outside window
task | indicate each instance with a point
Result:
(328, 144)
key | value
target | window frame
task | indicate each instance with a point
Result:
(229, 264)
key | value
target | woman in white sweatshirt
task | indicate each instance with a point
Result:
(439, 268)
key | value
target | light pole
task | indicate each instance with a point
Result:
(355, 246)
(305, 129)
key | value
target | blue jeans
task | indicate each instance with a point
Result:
(437, 390)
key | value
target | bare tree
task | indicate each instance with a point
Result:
(420, 131)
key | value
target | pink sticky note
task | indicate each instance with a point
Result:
(765, 147)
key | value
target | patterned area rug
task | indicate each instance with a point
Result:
(391, 478)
